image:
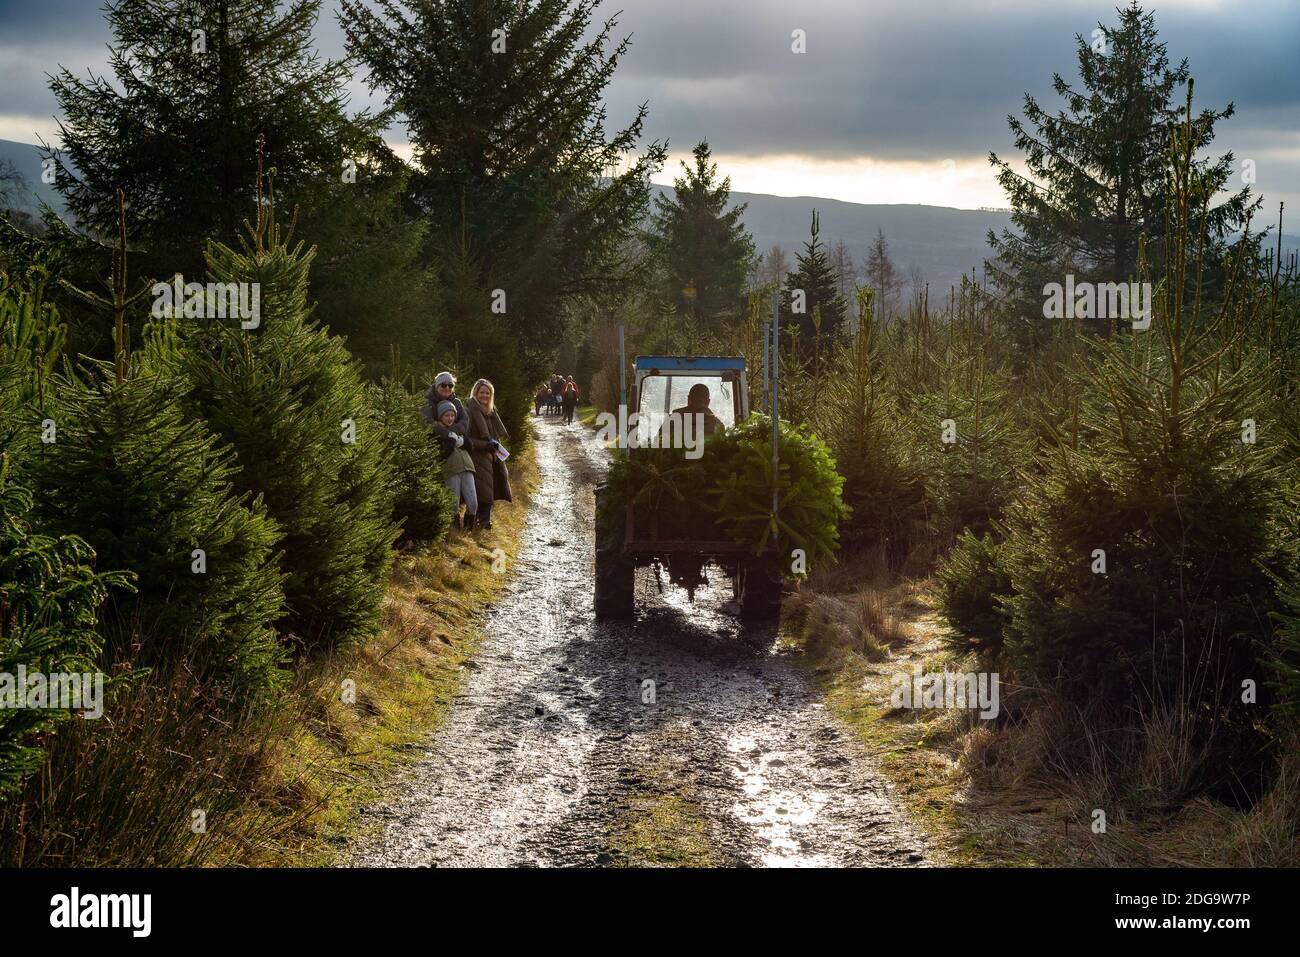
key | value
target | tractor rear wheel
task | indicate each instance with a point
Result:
(760, 580)
(615, 569)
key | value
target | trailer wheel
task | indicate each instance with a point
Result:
(614, 568)
(760, 581)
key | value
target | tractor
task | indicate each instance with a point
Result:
(632, 538)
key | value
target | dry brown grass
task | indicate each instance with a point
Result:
(339, 756)
(1023, 790)
(836, 611)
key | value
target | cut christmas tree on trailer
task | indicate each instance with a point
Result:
(700, 481)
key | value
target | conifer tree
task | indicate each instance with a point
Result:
(846, 273)
(1096, 178)
(61, 262)
(1139, 552)
(504, 105)
(882, 275)
(966, 438)
(120, 466)
(49, 598)
(1286, 658)
(49, 591)
(32, 338)
(812, 297)
(150, 490)
(288, 399)
(859, 418)
(701, 250)
(486, 344)
(197, 84)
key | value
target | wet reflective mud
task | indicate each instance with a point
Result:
(558, 752)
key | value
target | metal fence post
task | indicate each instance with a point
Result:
(622, 384)
(776, 407)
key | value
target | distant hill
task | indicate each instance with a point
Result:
(944, 242)
(26, 159)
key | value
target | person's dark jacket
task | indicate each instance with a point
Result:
(710, 424)
(446, 444)
(491, 478)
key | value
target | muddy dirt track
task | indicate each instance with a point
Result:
(549, 757)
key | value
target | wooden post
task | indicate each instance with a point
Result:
(119, 292)
(622, 369)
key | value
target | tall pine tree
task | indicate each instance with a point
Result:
(504, 105)
(1139, 550)
(1096, 180)
(197, 84)
(289, 400)
(701, 251)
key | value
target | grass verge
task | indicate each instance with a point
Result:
(662, 824)
(1009, 793)
(173, 777)
(402, 683)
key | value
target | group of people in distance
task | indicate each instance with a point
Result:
(469, 436)
(560, 394)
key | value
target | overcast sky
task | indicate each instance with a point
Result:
(895, 101)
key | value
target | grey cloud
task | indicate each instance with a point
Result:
(898, 80)
(24, 79)
(909, 80)
(70, 22)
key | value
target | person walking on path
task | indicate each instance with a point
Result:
(486, 430)
(570, 399)
(557, 391)
(457, 466)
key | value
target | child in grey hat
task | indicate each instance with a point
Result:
(457, 466)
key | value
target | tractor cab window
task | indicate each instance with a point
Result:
(661, 394)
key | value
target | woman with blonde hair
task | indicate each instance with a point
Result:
(486, 430)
